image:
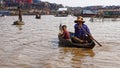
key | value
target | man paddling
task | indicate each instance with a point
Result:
(80, 34)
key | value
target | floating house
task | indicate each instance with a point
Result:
(86, 13)
(62, 12)
(104, 14)
(109, 13)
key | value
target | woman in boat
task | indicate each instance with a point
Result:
(80, 31)
(65, 33)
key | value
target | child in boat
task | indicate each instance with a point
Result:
(65, 34)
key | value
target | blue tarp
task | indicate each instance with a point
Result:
(4, 12)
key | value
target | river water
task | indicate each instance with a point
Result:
(35, 44)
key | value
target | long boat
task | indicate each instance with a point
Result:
(67, 43)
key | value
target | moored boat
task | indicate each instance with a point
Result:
(67, 43)
(38, 16)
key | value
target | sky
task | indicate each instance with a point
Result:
(83, 3)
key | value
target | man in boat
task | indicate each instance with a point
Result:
(80, 35)
(20, 14)
(64, 34)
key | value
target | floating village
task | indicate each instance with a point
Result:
(33, 7)
(41, 34)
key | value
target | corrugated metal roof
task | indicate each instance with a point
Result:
(62, 9)
(88, 12)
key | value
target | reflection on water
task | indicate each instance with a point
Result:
(19, 27)
(35, 44)
(78, 56)
(78, 51)
(70, 58)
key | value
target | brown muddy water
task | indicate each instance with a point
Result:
(35, 44)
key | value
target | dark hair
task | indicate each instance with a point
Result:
(64, 26)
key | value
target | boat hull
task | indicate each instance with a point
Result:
(38, 17)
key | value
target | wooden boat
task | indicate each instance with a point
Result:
(38, 16)
(67, 43)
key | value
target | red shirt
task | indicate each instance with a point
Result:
(66, 34)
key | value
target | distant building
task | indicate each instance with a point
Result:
(12, 3)
(62, 12)
(24, 1)
(17, 1)
(36, 1)
(88, 12)
(62, 9)
(1, 2)
(9, 2)
(109, 13)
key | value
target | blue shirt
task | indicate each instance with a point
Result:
(79, 32)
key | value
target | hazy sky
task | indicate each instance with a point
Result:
(81, 3)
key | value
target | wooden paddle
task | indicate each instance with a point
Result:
(60, 27)
(91, 36)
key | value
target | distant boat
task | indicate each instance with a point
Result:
(38, 16)
(61, 12)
